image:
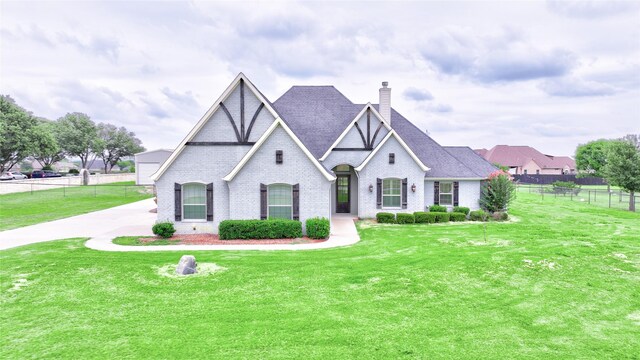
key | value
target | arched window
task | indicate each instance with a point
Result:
(194, 201)
(280, 201)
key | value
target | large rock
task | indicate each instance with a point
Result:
(187, 265)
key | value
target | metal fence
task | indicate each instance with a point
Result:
(617, 199)
(47, 191)
(547, 179)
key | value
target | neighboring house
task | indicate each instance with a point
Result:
(98, 166)
(310, 153)
(527, 160)
(148, 162)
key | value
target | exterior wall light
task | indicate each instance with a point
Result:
(370, 187)
(413, 187)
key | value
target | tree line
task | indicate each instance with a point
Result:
(616, 160)
(23, 135)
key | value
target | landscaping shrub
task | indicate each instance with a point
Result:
(164, 229)
(74, 171)
(457, 216)
(500, 216)
(259, 229)
(478, 215)
(437, 208)
(386, 218)
(442, 217)
(403, 218)
(497, 192)
(318, 228)
(421, 217)
(461, 209)
(565, 187)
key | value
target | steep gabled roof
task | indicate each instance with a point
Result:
(392, 133)
(241, 77)
(317, 114)
(278, 122)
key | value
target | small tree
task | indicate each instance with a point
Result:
(497, 192)
(623, 168)
(79, 137)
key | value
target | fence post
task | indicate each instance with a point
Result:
(541, 192)
(64, 191)
(571, 195)
(31, 188)
(589, 196)
(95, 190)
(125, 191)
(609, 199)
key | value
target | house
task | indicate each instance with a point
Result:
(527, 160)
(310, 153)
(148, 162)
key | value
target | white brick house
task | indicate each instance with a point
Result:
(310, 153)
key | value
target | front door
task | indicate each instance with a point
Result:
(343, 195)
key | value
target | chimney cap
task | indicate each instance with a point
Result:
(385, 83)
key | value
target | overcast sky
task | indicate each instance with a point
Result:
(546, 74)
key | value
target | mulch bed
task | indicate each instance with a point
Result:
(211, 239)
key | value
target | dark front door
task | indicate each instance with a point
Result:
(343, 195)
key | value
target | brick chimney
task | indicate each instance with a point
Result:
(385, 102)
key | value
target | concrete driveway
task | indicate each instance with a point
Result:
(130, 219)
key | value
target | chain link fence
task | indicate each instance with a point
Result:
(51, 191)
(614, 198)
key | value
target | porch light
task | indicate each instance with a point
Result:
(413, 187)
(370, 187)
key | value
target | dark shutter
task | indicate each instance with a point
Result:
(392, 158)
(436, 193)
(296, 202)
(404, 193)
(210, 202)
(278, 156)
(379, 193)
(263, 201)
(456, 185)
(177, 197)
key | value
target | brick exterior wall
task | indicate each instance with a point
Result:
(468, 193)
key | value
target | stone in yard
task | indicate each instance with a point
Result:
(187, 265)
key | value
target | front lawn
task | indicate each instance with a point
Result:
(563, 281)
(26, 208)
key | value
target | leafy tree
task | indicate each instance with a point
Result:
(591, 157)
(78, 136)
(623, 168)
(16, 133)
(116, 144)
(127, 165)
(497, 192)
(47, 150)
(633, 139)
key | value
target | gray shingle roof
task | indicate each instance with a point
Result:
(472, 160)
(319, 114)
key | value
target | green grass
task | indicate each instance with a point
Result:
(561, 281)
(135, 240)
(26, 208)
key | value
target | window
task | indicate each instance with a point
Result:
(278, 156)
(525, 171)
(537, 172)
(392, 158)
(391, 193)
(194, 202)
(446, 193)
(280, 201)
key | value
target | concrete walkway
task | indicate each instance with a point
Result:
(129, 219)
(136, 219)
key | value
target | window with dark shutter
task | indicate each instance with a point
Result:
(177, 203)
(278, 156)
(379, 193)
(263, 201)
(296, 202)
(392, 158)
(456, 185)
(210, 202)
(436, 193)
(404, 193)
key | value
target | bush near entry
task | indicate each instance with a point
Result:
(403, 218)
(386, 218)
(318, 228)
(259, 229)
